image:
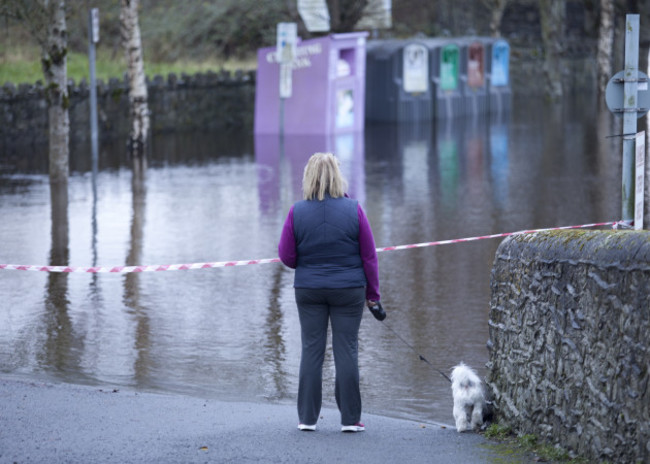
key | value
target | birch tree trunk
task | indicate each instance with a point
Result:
(497, 15)
(496, 7)
(54, 49)
(46, 22)
(553, 14)
(605, 43)
(139, 110)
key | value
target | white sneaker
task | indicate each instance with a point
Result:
(358, 427)
(307, 428)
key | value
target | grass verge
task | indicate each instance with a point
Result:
(509, 446)
(22, 65)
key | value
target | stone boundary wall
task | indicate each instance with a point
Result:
(200, 102)
(179, 103)
(569, 341)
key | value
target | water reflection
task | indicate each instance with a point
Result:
(94, 281)
(499, 167)
(275, 350)
(133, 299)
(61, 345)
(448, 147)
(281, 161)
(233, 332)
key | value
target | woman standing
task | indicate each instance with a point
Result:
(327, 239)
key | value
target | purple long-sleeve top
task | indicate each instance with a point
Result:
(288, 252)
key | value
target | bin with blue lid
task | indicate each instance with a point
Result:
(499, 77)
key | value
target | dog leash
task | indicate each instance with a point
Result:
(378, 312)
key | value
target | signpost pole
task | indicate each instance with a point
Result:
(639, 180)
(630, 106)
(286, 52)
(93, 38)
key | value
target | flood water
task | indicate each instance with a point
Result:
(233, 333)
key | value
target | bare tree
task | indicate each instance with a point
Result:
(139, 109)
(496, 7)
(345, 14)
(376, 15)
(605, 43)
(46, 22)
(553, 13)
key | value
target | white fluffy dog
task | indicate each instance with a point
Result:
(469, 398)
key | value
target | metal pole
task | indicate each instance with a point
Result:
(646, 214)
(93, 33)
(93, 15)
(630, 105)
(285, 89)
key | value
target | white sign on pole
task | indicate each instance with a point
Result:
(94, 13)
(639, 186)
(315, 15)
(287, 37)
(286, 53)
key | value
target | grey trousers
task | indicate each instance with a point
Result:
(344, 308)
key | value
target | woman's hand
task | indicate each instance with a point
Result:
(376, 310)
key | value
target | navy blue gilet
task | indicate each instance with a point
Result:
(327, 244)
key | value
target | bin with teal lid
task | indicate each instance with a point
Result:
(445, 77)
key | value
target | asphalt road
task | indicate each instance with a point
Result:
(62, 423)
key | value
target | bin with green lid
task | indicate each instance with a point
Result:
(445, 66)
(449, 63)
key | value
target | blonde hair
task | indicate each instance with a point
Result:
(322, 176)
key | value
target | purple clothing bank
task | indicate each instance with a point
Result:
(328, 82)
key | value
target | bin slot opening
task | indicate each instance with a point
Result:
(345, 65)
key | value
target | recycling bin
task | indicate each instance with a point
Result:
(500, 92)
(326, 82)
(445, 77)
(398, 86)
(474, 84)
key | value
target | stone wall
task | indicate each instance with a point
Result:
(569, 341)
(187, 103)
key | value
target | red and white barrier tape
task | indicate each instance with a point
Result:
(125, 269)
(187, 267)
(483, 237)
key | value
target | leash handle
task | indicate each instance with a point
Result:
(377, 310)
